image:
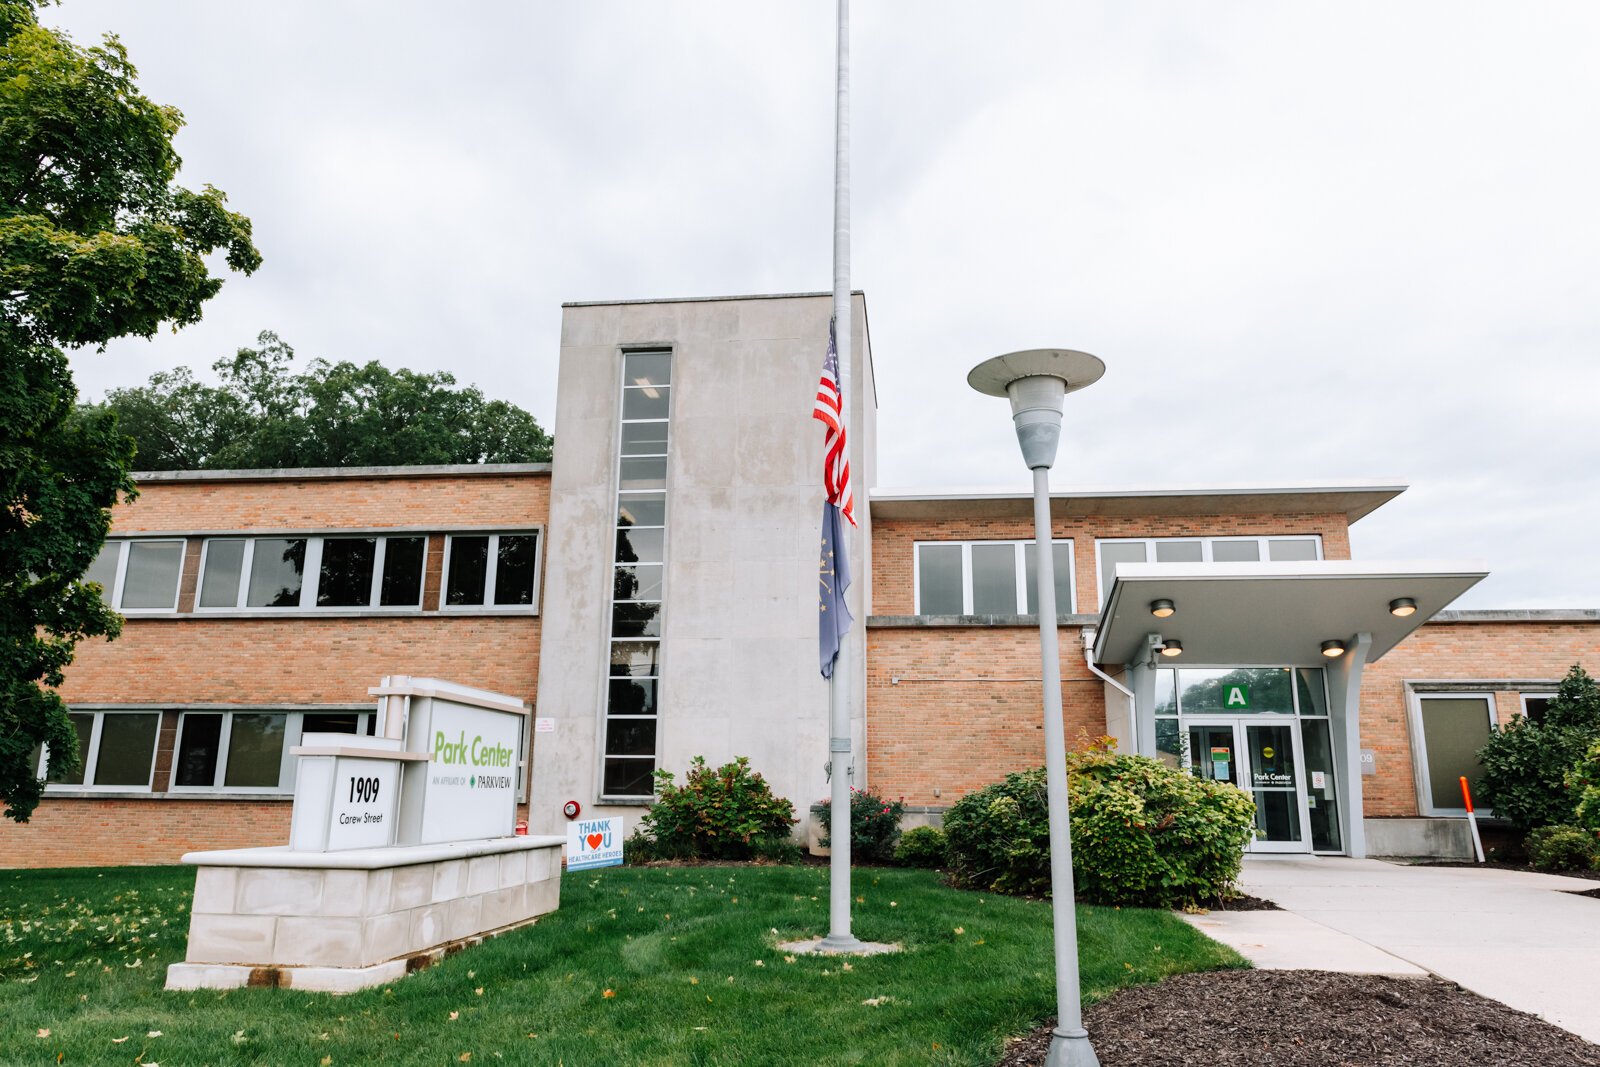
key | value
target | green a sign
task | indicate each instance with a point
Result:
(1236, 698)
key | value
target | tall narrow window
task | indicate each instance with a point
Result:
(638, 562)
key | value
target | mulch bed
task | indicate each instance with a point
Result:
(1311, 1019)
(1593, 876)
(1242, 902)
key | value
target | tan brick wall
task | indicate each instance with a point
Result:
(336, 503)
(893, 589)
(251, 662)
(1473, 652)
(966, 709)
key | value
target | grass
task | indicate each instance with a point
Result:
(639, 966)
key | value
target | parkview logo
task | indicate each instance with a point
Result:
(476, 753)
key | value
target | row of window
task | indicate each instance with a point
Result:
(336, 573)
(996, 577)
(237, 751)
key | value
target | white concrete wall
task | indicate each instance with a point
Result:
(744, 504)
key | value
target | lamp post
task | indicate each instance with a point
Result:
(1036, 381)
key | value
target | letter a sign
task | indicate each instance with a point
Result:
(1236, 698)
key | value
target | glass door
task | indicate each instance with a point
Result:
(1263, 759)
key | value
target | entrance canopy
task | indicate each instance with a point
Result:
(1272, 613)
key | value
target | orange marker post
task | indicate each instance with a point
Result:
(1472, 820)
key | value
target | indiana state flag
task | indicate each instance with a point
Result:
(833, 617)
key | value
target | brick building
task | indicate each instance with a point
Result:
(651, 593)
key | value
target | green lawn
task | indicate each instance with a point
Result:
(639, 966)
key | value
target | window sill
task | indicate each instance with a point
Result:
(329, 613)
(626, 802)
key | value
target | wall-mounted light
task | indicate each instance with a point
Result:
(1161, 609)
(1172, 647)
(1402, 606)
(1333, 649)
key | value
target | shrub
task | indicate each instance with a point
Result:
(923, 846)
(1583, 781)
(1563, 848)
(729, 813)
(1143, 833)
(1525, 764)
(874, 826)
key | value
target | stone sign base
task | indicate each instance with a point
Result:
(336, 922)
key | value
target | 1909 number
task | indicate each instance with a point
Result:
(364, 789)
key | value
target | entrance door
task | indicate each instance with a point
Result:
(1263, 758)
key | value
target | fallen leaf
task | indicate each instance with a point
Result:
(325, 1061)
(44, 1032)
(894, 903)
(153, 1033)
(693, 980)
(609, 994)
(464, 1057)
(454, 1016)
(479, 991)
(877, 1001)
(960, 930)
(788, 959)
(118, 1040)
(760, 963)
(846, 967)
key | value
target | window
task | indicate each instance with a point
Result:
(1534, 705)
(986, 578)
(633, 675)
(118, 749)
(331, 572)
(1448, 729)
(139, 576)
(248, 751)
(490, 570)
(1200, 550)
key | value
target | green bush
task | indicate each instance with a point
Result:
(923, 846)
(1583, 781)
(728, 814)
(874, 826)
(1143, 833)
(1525, 764)
(1563, 848)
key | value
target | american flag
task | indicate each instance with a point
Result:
(830, 412)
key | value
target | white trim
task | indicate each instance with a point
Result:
(119, 582)
(293, 730)
(1263, 552)
(1419, 746)
(91, 757)
(310, 575)
(1019, 563)
(490, 572)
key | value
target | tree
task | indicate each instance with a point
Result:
(1526, 764)
(263, 414)
(96, 242)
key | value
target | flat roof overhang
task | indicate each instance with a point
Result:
(1353, 498)
(1272, 613)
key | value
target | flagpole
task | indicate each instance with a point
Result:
(840, 682)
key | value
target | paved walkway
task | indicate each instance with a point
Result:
(1515, 937)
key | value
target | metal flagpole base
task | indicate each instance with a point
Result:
(841, 943)
(1071, 1050)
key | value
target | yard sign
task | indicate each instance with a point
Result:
(594, 843)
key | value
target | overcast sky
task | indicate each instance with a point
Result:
(1310, 240)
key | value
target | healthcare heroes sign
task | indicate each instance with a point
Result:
(594, 843)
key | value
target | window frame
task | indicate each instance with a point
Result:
(1537, 694)
(1419, 746)
(1019, 560)
(1206, 541)
(119, 579)
(91, 757)
(489, 607)
(293, 730)
(311, 573)
(619, 494)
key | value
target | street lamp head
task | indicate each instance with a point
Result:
(1035, 381)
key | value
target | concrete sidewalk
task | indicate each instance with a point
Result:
(1512, 936)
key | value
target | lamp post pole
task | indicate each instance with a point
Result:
(1036, 382)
